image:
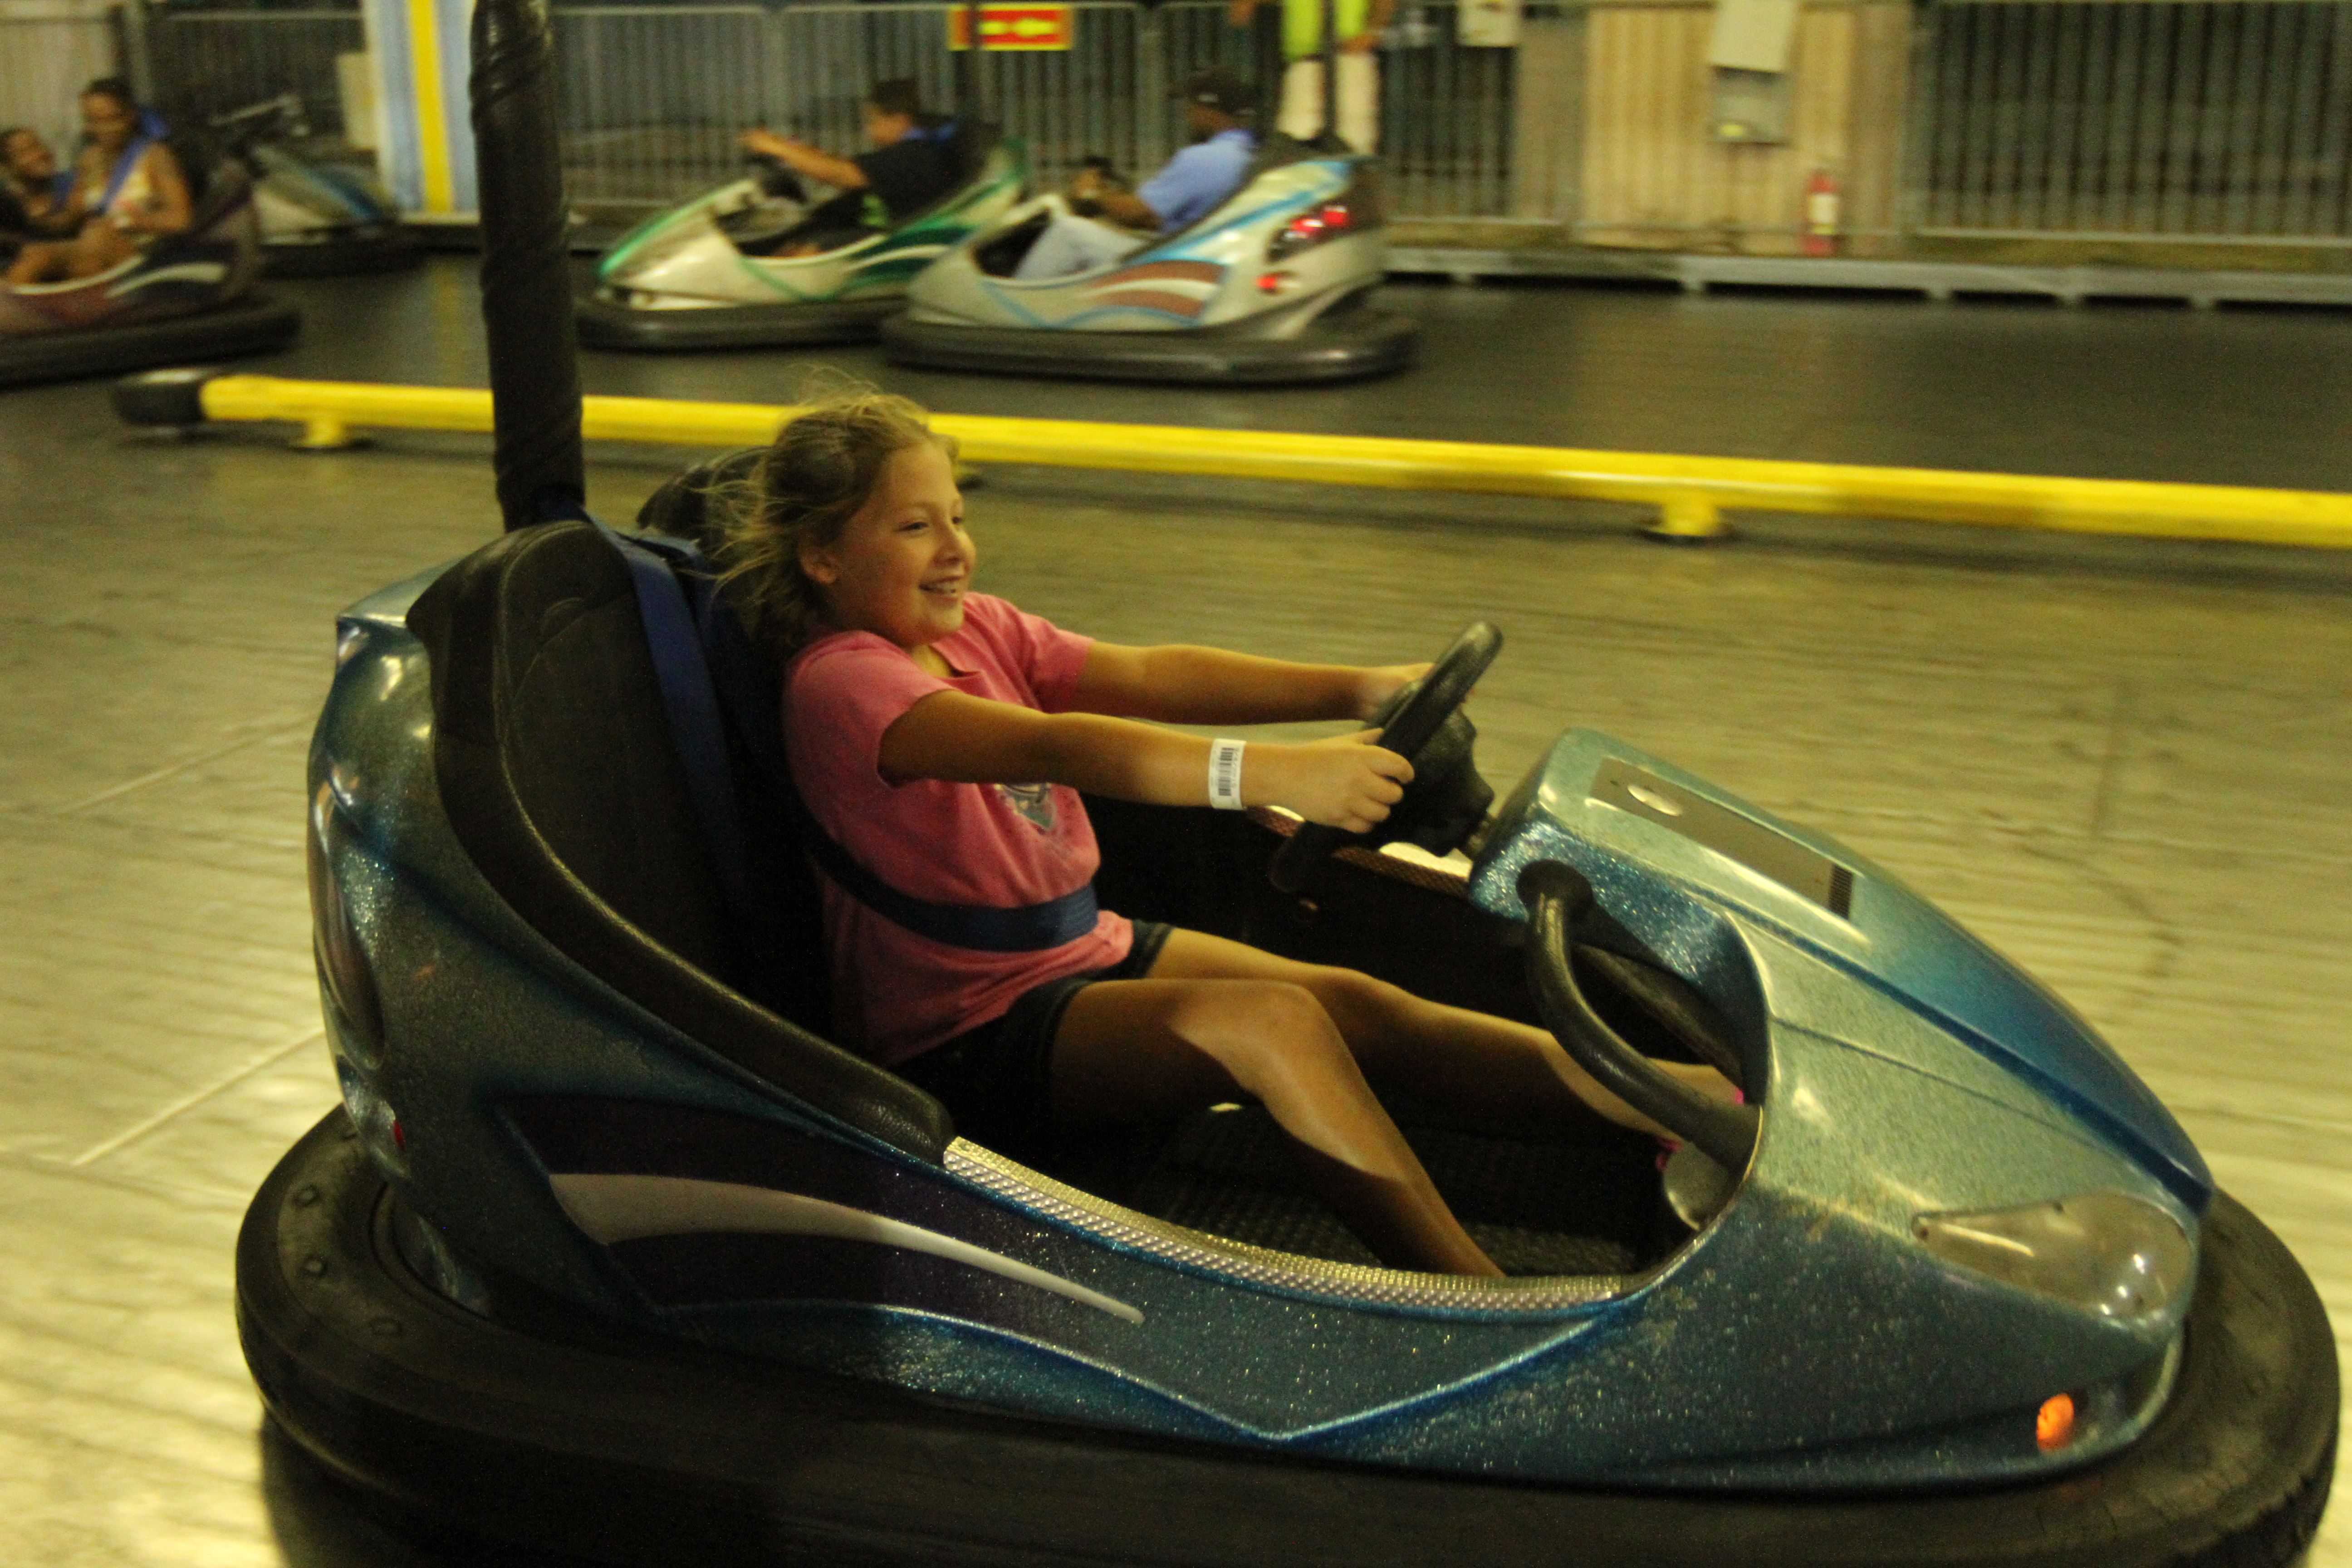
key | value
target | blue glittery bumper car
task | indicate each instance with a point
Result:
(611, 1251)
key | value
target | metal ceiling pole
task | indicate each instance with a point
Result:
(526, 264)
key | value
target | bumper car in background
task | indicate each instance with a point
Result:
(185, 297)
(707, 274)
(1272, 287)
(318, 220)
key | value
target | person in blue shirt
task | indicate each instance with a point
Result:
(1217, 108)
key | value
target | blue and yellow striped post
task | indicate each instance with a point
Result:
(421, 64)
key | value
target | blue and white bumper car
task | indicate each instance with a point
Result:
(1274, 286)
(610, 1251)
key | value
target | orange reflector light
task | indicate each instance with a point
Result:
(2054, 1425)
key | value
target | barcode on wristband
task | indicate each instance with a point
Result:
(1225, 775)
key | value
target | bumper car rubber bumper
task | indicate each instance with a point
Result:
(251, 325)
(544, 1428)
(345, 255)
(1341, 345)
(605, 325)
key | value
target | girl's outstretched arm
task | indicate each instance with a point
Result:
(1345, 781)
(1176, 684)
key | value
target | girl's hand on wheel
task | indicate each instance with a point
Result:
(1376, 685)
(1346, 782)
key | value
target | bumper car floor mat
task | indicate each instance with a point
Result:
(605, 325)
(251, 325)
(1339, 346)
(564, 1433)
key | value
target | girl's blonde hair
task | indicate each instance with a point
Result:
(823, 469)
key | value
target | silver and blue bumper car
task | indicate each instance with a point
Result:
(611, 1251)
(318, 218)
(710, 273)
(185, 297)
(1272, 287)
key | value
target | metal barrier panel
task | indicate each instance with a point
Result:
(2212, 121)
(1654, 173)
(204, 63)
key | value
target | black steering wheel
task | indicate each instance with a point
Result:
(1421, 713)
(776, 177)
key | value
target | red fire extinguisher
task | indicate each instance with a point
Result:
(1822, 214)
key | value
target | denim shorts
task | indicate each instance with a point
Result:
(996, 1080)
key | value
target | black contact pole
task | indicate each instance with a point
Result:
(526, 263)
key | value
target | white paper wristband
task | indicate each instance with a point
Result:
(1225, 775)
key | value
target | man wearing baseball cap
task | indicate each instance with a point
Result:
(1218, 106)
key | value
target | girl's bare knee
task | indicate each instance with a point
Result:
(1253, 1025)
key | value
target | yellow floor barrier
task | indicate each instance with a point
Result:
(1691, 493)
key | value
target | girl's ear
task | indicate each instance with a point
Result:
(818, 566)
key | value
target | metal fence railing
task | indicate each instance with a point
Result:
(2208, 119)
(653, 96)
(203, 63)
(2215, 121)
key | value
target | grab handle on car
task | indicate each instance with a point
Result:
(1556, 895)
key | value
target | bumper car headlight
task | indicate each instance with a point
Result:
(2108, 1253)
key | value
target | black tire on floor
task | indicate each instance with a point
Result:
(170, 399)
(1350, 345)
(597, 1440)
(605, 325)
(251, 325)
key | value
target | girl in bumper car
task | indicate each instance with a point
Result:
(940, 737)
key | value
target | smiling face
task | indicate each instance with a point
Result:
(903, 562)
(108, 121)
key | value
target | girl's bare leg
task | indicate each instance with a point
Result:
(1497, 1074)
(1133, 1050)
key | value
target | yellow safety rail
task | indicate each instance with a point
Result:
(1692, 493)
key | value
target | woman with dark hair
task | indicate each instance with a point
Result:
(907, 170)
(128, 191)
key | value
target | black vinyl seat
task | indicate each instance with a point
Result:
(559, 777)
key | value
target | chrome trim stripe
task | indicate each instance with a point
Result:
(613, 1208)
(1348, 1283)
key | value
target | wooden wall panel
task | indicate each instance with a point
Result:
(1656, 177)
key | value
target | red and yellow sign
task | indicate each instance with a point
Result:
(1011, 28)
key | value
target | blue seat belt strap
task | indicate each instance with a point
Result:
(674, 635)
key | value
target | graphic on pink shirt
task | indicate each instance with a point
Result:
(896, 994)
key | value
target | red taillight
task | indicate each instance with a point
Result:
(2053, 1424)
(1329, 221)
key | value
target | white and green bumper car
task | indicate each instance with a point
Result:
(704, 274)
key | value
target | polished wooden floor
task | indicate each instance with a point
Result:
(2123, 764)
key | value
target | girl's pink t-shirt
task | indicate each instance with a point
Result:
(896, 994)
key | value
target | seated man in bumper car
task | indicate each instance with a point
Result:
(128, 191)
(1217, 108)
(939, 738)
(907, 170)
